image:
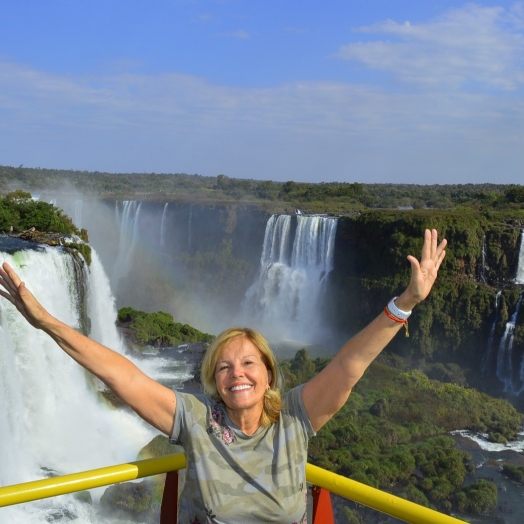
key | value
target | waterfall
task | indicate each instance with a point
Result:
(520, 268)
(276, 240)
(52, 421)
(163, 226)
(505, 357)
(285, 299)
(128, 222)
(486, 361)
(482, 276)
(190, 228)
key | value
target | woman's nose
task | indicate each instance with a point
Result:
(237, 371)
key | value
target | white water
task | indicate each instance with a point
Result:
(520, 268)
(285, 299)
(163, 226)
(483, 261)
(505, 369)
(51, 416)
(482, 440)
(128, 223)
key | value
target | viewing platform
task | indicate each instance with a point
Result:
(322, 482)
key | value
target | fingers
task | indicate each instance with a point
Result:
(441, 253)
(9, 279)
(431, 248)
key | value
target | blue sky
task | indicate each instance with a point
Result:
(356, 90)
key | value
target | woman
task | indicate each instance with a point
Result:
(246, 446)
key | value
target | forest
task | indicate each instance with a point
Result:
(325, 197)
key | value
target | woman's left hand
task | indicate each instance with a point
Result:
(423, 273)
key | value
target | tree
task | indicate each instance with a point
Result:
(515, 194)
(18, 197)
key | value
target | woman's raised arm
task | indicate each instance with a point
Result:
(328, 391)
(153, 402)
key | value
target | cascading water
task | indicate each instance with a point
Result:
(520, 268)
(486, 361)
(482, 275)
(505, 357)
(127, 219)
(285, 299)
(51, 418)
(163, 226)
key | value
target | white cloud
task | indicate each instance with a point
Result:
(301, 131)
(471, 46)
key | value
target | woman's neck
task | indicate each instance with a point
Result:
(247, 420)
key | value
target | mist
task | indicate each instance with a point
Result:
(205, 265)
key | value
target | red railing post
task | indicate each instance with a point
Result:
(322, 507)
(169, 508)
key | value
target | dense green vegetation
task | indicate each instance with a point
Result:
(454, 324)
(332, 197)
(515, 473)
(392, 434)
(19, 212)
(158, 328)
(41, 222)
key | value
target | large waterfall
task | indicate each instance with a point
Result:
(285, 300)
(52, 420)
(158, 254)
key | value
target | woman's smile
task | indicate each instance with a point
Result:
(241, 376)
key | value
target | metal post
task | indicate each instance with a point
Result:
(169, 508)
(322, 508)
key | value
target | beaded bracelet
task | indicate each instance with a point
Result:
(396, 319)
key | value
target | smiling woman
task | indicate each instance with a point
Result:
(245, 442)
(251, 352)
(246, 445)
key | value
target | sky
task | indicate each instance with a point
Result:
(372, 91)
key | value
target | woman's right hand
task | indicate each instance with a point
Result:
(21, 297)
(153, 402)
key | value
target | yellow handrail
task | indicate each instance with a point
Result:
(376, 499)
(95, 478)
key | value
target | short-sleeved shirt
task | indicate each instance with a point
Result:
(234, 478)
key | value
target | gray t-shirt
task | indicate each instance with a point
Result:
(235, 478)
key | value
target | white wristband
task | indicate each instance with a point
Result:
(396, 312)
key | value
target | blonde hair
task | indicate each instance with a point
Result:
(273, 397)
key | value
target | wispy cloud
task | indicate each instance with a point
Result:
(464, 122)
(475, 45)
(239, 33)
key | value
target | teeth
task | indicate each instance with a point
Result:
(239, 388)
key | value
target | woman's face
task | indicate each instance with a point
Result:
(241, 375)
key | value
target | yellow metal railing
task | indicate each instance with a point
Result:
(95, 478)
(376, 499)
